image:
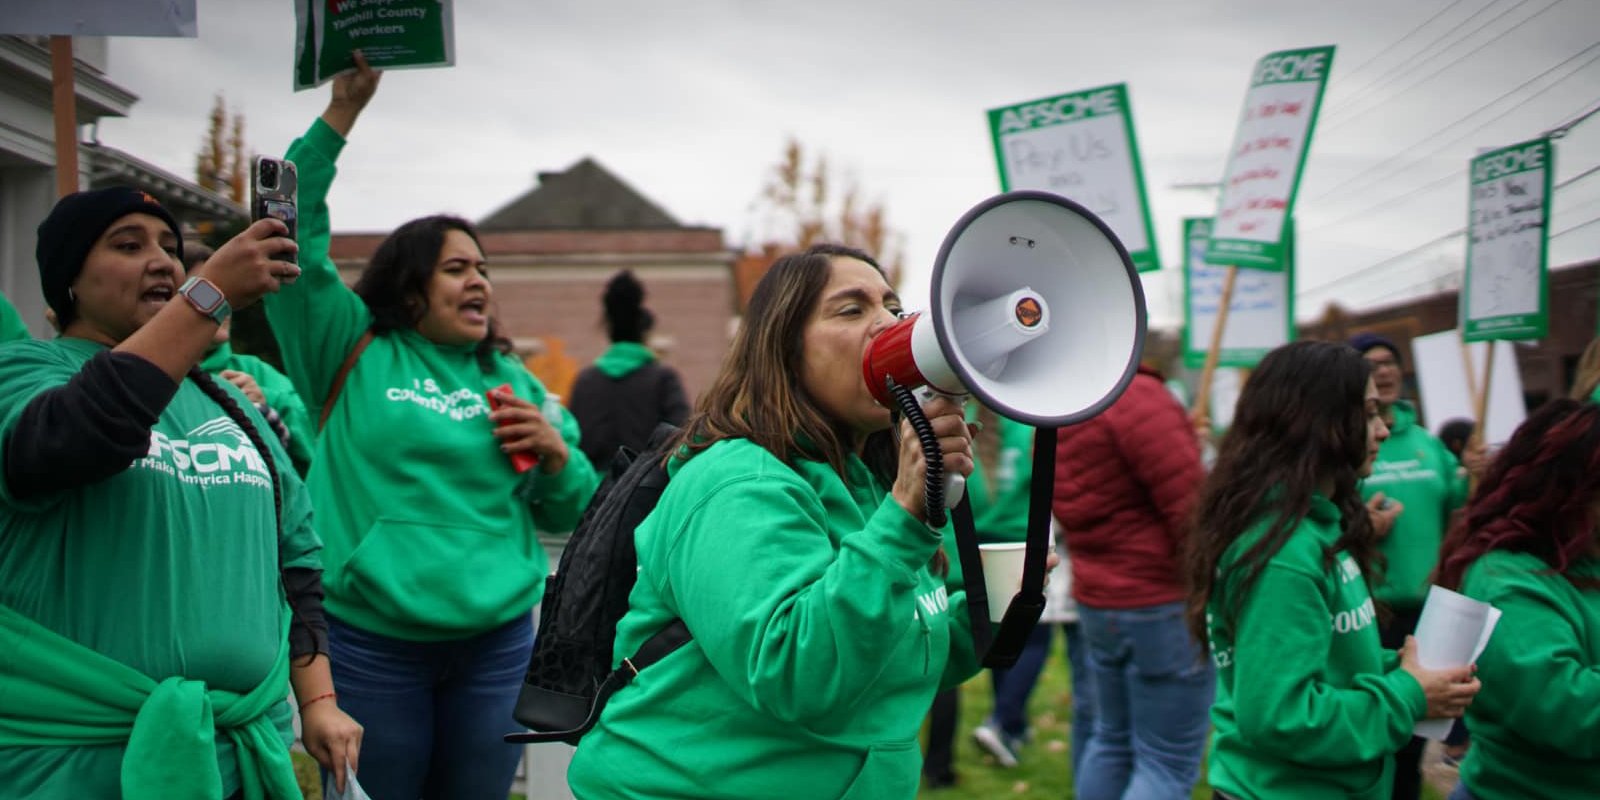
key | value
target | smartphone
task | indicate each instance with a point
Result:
(274, 186)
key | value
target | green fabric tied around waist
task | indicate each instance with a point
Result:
(55, 692)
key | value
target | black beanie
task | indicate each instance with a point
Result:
(1363, 342)
(69, 233)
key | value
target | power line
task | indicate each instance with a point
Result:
(1435, 279)
(1399, 68)
(1561, 130)
(1575, 227)
(1394, 45)
(1358, 177)
(1440, 240)
(1346, 119)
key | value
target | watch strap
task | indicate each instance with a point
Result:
(217, 308)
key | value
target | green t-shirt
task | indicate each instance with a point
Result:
(820, 638)
(169, 567)
(1536, 722)
(279, 393)
(1416, 469)
(429, 532)
(1309, 704)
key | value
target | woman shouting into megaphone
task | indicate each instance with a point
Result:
(791, 541)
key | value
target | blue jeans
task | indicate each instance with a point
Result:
(435, 713)
(1153, 693)
(1082, 692)
(1462, 793)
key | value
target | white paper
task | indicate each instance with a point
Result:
(1442, 383)
(1452, 632)
(352, 788)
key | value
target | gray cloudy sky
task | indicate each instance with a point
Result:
(691, 102)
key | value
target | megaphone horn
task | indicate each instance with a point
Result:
(1036, 310)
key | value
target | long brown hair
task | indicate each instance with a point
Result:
(758, 395)
(1301, 420)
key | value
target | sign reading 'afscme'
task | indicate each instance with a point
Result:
(1268, 156)
(1506, 295)
(1080, 146)
(389, 33)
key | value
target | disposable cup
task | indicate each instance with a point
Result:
(1002, 574)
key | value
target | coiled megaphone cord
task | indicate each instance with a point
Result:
(933, 484)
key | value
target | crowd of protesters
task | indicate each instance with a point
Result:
(185, 556)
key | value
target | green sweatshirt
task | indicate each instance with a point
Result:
(169, 568)
(429, 533)
(12, 327)
(622, 358)
(280, 394)
(820, 638)
(1309, 704)
(1001, 491)
(1536, 723)
(1416, 469)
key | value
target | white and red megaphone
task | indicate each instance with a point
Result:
(1035, 309)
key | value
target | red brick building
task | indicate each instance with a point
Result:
(551, 252)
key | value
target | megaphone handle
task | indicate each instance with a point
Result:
(955, 485)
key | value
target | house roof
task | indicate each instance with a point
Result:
(585, 196)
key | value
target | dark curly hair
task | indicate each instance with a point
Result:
(395, 283)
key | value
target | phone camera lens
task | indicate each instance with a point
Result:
(269, 175)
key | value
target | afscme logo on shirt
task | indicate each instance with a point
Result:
(209, 453)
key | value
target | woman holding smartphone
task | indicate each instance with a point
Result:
(1309, 703)
(432, 553)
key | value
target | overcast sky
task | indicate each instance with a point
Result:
(691, 103)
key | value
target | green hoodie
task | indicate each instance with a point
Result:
(280, 394)
(1309, 704)
(622, 358)
(1416, 469)
(1536, 723)
(429, 533)
(820, 638)
(1000, 493)
(12, 328)
(168, 570)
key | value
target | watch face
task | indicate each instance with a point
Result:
(203, 294)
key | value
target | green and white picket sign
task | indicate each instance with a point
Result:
(390, 33)
(1260, 314)
(1268, 157)
(1506, 292)
(1080, 146)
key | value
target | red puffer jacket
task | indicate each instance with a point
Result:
(1125, 482)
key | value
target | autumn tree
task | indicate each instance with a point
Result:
(222, 165)
(803, 206)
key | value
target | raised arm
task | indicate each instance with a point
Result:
(318, 320)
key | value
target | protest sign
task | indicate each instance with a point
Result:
(1505, 291)
(389, 33)
(1267, 159)
(1260, 313)
(101, 18)
(1080, 146)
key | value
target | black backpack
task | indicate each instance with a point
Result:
(570, 676)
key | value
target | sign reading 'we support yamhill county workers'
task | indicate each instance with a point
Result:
(1080, 146)
(390, 33)
(1268, 156)
(1506, 294)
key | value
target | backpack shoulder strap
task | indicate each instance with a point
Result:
(344, 372)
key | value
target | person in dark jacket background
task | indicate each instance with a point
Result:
(626, 393)
(1125, 483)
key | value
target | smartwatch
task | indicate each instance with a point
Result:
(206, 299)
